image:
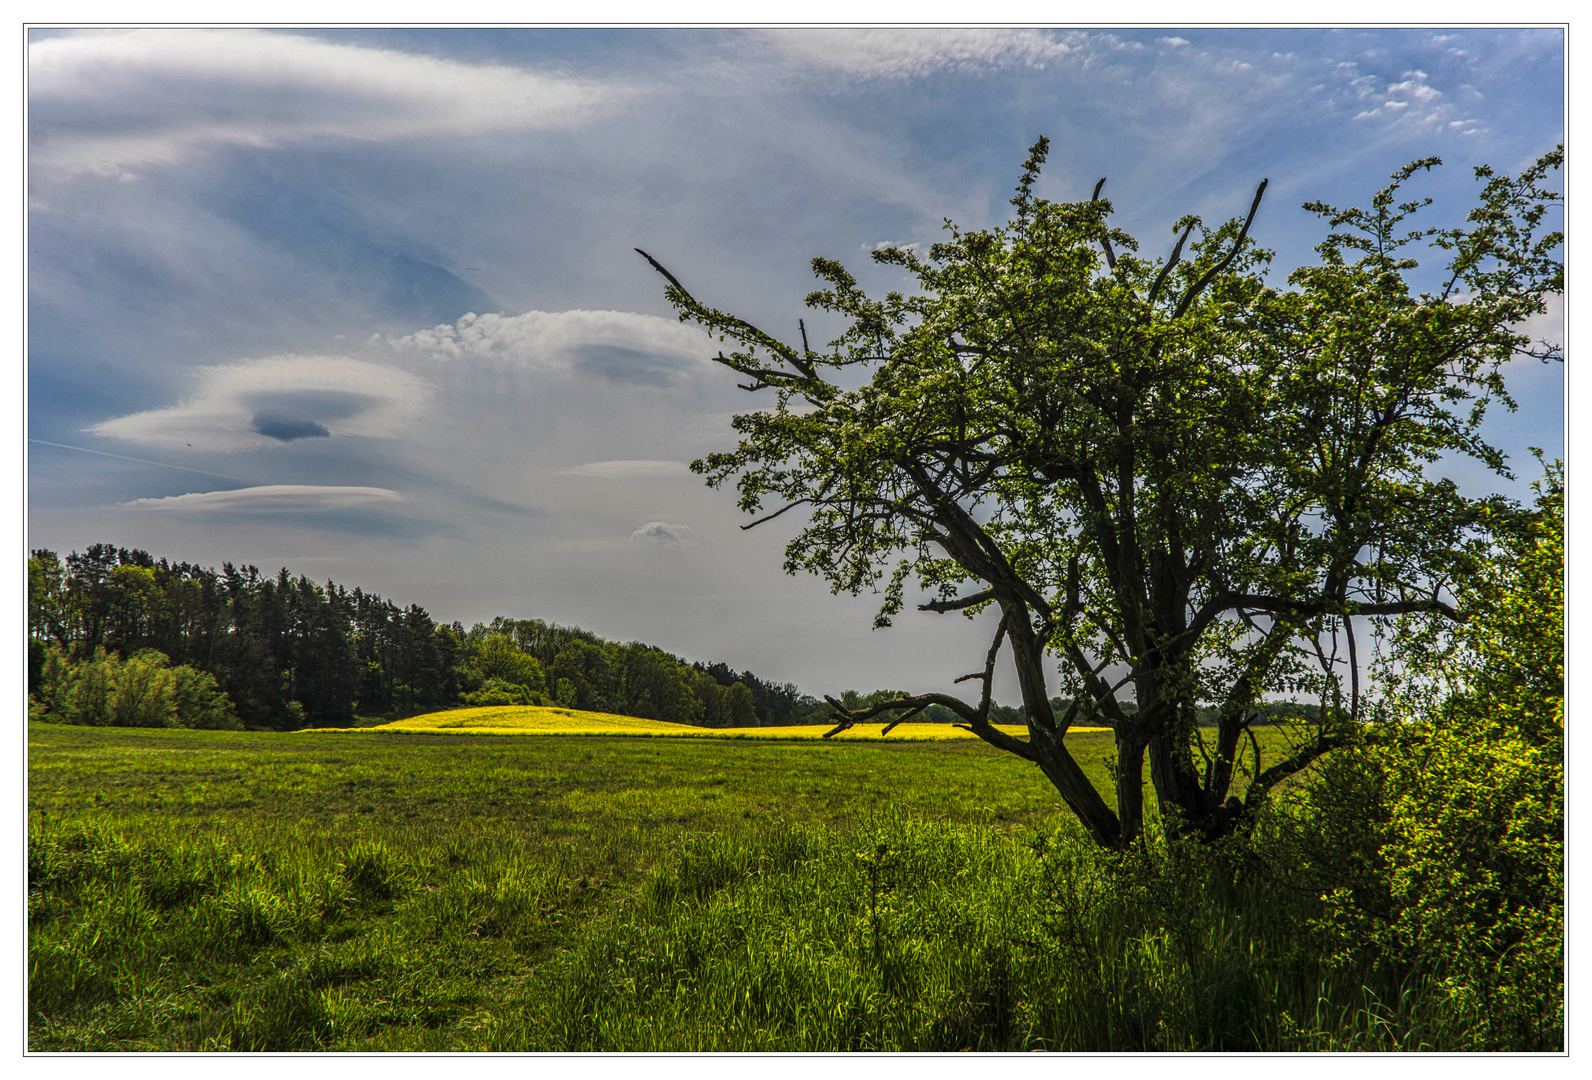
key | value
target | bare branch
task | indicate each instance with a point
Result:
(1177, 253)
(772, 344)
(775, 514)
(989, 663)
(1306, 609)
(903, 718)
(959, 603)
(1238, 245)
(1105, 244)
(1301, 759)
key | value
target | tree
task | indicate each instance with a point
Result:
(740, 706)
(589, 673)
(47, 598)
(1184, 483)
(653, 685)
(497, 657)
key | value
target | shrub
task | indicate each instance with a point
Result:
(200, 702)
(1442, 853)
(498, 692)
(141, 691)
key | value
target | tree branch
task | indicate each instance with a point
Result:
(775, 514)
(784, 352)
(1238, 245)
(1105, 243)
(976, 723)
(942, 606)
(1177, 253)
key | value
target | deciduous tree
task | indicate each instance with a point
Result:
(1185, 484)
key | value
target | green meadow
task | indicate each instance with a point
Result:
(193, 890)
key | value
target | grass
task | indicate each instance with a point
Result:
(275, 892)
(548, 720)
(198, 890)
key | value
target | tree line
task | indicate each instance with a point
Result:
(281, 652)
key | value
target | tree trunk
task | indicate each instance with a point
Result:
(1062, 770)
(1130, 786)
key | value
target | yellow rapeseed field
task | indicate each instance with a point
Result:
(546, 720)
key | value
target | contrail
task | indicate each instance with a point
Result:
(141, 461)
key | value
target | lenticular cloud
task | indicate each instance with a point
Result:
(273, 499)
(279, 399)
(169, 92)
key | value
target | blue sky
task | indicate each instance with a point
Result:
(364, 304)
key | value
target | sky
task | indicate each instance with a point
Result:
(364, 303)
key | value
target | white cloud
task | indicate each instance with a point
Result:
(1413, 105)
(617, 345)
(628, 470)
(1548, 325)
(278, 399)
(158, 95)
(1416, 88)
(662, 532)
(902, 53)
(1175, 42)
(274, 499)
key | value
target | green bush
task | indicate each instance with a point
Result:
(140, 691)
(1437, 844)
(498, 692)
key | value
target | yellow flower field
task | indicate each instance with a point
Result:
(545, 720)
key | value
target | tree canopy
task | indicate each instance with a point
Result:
(1183, 483)
(284, 651)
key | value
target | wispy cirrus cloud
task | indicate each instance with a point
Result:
(319, 509)
(277, 400)
(110, 102)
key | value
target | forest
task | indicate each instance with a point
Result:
(122, 638)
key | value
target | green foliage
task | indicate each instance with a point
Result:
(1455, 807)
(740, 705)
(198, 702)
(499, 692)
(141, 691)
(499, 660)
(1171, 466)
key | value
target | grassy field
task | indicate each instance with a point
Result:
(337, 891)
(546, 720)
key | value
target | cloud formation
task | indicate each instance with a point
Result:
(662, 532)
(619, 346)
(156, 96)
(628, 470)
(274, 499)
(275, 400)
(901, 53)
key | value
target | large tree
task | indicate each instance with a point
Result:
(1185, 484)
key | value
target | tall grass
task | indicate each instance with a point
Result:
(492, 919)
